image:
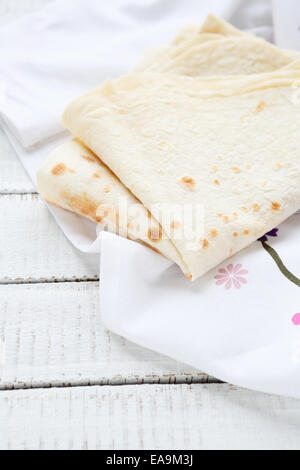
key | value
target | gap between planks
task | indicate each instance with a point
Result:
(12, 282)
(121, 381)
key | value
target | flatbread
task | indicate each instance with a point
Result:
(74, 178)
(227, 56)
(75, 184)
(230, 144)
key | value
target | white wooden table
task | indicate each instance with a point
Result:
(67, 383)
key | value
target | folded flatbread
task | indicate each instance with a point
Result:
(231, 145)
(75, 179)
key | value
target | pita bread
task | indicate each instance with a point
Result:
(231, 144)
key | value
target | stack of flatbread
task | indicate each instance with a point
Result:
(196, 154)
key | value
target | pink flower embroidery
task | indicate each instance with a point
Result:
(296, 319)
(231, 277)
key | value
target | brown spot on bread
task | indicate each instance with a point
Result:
(107, 190)
(256, 207)
(130, 226)
(97, 175)
(278, 166)
(245, 209)
(217, 182)
(175, 224)
(162, 144)
(188, 183)
(204, 244)
(220, 215)
(155, 234)
(59, 169)
(81, 204)
(275, 206)
(214, 169)
(230, 252)
(235, 234)
(226, 219)
(236, 169)
(260, 107)
(246, 232)
(88, 158)
(235, 214)
(213, 233)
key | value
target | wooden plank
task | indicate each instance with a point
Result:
(33, 247)
(148, 417)
(13, 178)
(52, 335)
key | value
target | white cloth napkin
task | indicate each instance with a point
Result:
(286, 16)
(238, 323)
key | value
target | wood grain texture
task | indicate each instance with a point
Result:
(148, 417)
(13, 178)
(52, 335)
(33, 247)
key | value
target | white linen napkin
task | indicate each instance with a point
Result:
(286, 16)
(238, 323)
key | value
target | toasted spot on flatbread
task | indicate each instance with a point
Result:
(260, 107)
(217, 182)
(226, 219)
(59, 169)
(275, 206)
(246, 232)
(81, 204)
(256, 207)
(214, 169)
(245, 209)
(235, 234)
(278, 166)
(236, 169)
(175, 224)
(235, 214)
(162, 144)
(97, 175)
(130, 226)
(155, 234)
(230, 252)
(107, 213)
(88, 158)
(204, 244)
(213, 233)
(107, 189)
(188, 183)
